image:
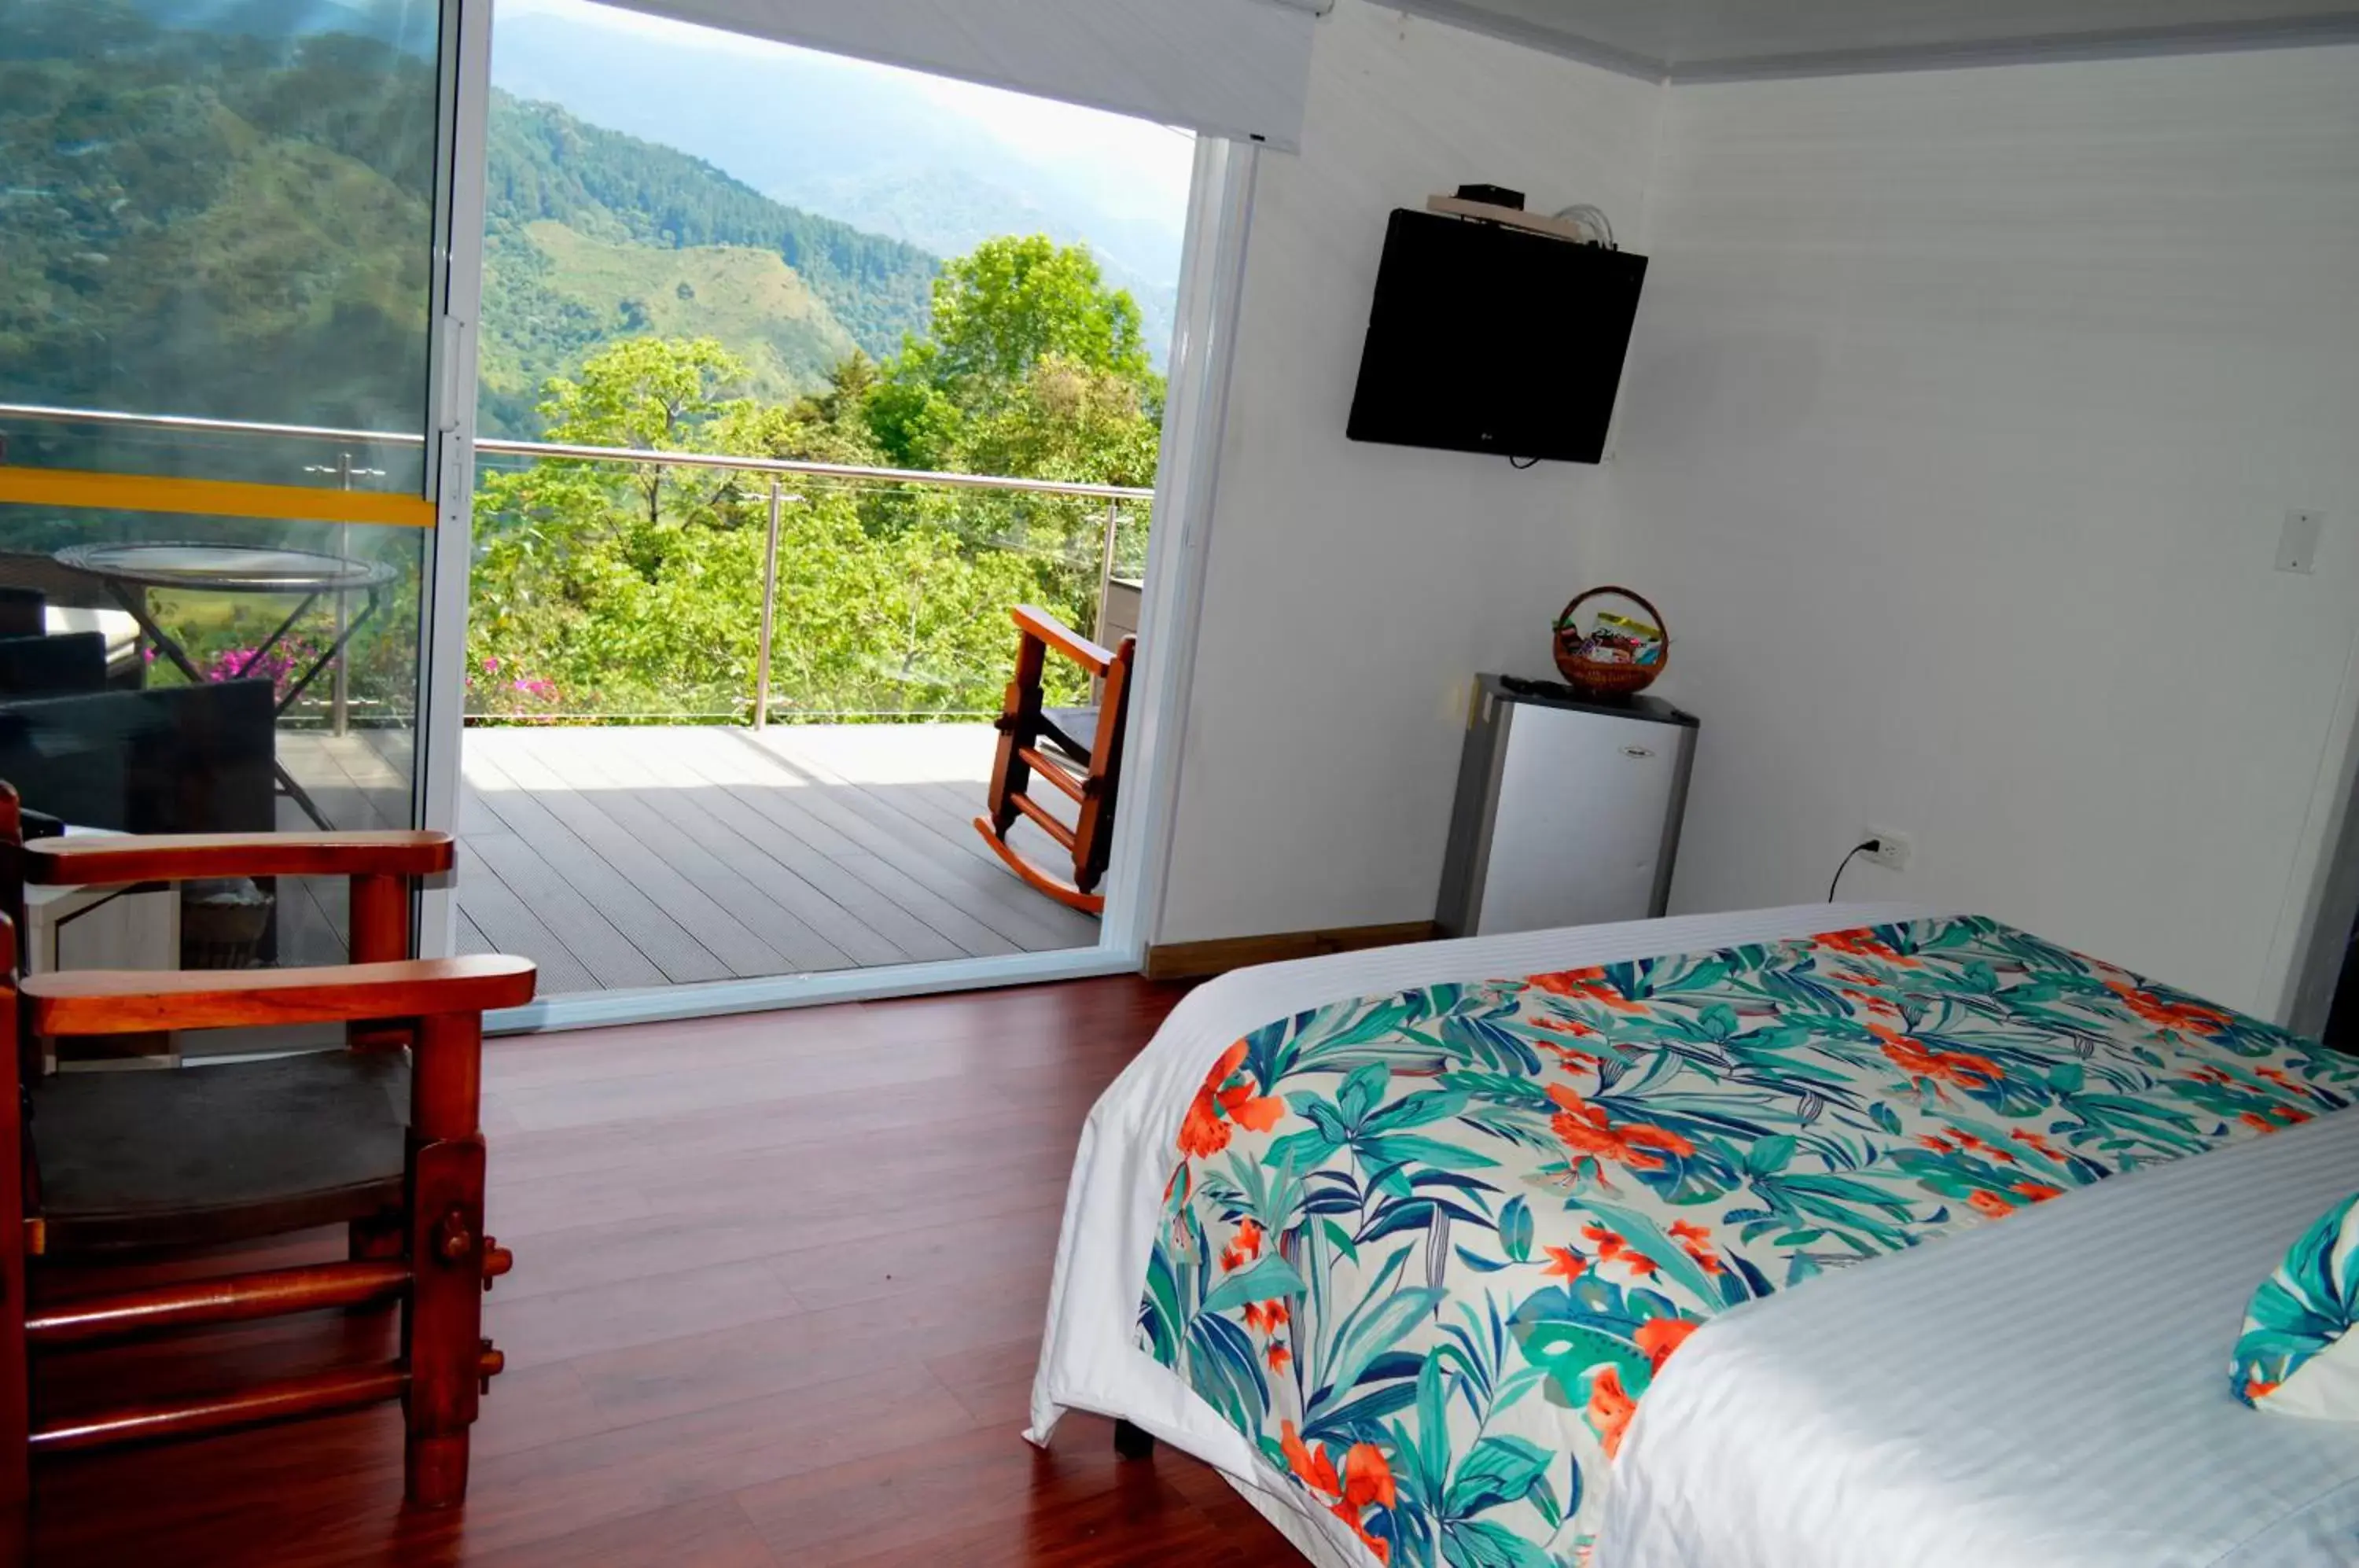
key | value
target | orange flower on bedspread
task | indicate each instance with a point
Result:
(2169, 1018)
(1586, 1130)
(1243, 1247)
(1367, 1482)
(1564, 1264)
(1310, 1466)
(1203, 1131)
(1267, 1318)
(1658, 1338)
(1863, 944)
(1695, 1240)
(1264, 1317)
(1572, 1060)
(1588, 984)
(1988, 1152)
(1959, 1069)
(1609, 1410)
(1991, 1204)
(2047, 1147)
(1882, 1007)
(1613, 1248)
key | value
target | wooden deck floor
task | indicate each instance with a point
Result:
(624, 857)
(778, 1292)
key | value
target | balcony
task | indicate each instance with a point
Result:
(618, 857)
(742, 802)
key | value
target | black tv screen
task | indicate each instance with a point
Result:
(1495, 340)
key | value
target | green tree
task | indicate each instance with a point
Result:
(653, 395)
(1067, 421)
(599, 591)
(1014, 301)
(999, 312)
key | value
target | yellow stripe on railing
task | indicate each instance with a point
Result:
(210, 498)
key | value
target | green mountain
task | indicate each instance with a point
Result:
(595, 236)
(218, 222)
(200, 223)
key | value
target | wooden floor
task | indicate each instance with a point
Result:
(778, 1292)
(627, 857)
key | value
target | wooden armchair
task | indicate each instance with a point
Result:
(381, 1136)
(1091, 737)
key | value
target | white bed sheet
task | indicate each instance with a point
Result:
(1089, 1358)
(2052, 1392)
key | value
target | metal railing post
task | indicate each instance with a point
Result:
(339, 697)
(769, 611)
(340, 705)
(1105, 563)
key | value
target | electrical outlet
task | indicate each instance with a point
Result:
(1891, 851)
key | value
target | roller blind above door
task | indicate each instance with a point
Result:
(1227, 68)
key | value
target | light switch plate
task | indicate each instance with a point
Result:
(2298, 541)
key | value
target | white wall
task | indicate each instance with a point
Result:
(1962, 417)
(1352, 590)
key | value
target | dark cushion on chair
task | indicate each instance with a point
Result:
(199, 1155)
(1073, 731)
(24, 612)
(172, 759)
(52, 666)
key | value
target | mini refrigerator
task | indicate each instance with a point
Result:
(1567, 810)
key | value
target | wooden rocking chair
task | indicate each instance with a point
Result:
(382, 1136)
(1091, 737)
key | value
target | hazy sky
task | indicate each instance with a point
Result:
(1134, 167)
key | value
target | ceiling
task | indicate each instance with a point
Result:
(1706, 40)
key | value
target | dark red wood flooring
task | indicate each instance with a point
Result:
(779, 1290)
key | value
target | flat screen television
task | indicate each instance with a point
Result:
(1495, 340)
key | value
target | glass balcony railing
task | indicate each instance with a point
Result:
(614, 585)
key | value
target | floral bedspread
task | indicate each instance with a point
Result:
(1428, 1250)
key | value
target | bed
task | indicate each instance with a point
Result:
(1546, 1249)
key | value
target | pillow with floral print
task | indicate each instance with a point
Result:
(2297, 1356)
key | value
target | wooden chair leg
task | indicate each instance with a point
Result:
(16, 1364)
(442, 1343)
(379, 923)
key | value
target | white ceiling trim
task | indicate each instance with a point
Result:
(2127, 43)
(1229, 67)
(2115, 43)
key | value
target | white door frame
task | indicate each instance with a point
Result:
(466, 87)
(1212, 274)
(1187, 481)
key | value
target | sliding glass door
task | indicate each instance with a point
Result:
(222, 362)
(246, 250)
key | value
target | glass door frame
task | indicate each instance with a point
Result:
(466, 93)
(1210, 280)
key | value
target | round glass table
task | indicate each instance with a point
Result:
(129, 572)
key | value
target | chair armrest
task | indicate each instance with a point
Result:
(133, 1001)
(1033, 621)
(83, 860)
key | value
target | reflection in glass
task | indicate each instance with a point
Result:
(223, 212)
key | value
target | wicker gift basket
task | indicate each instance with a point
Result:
(1604, 665)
